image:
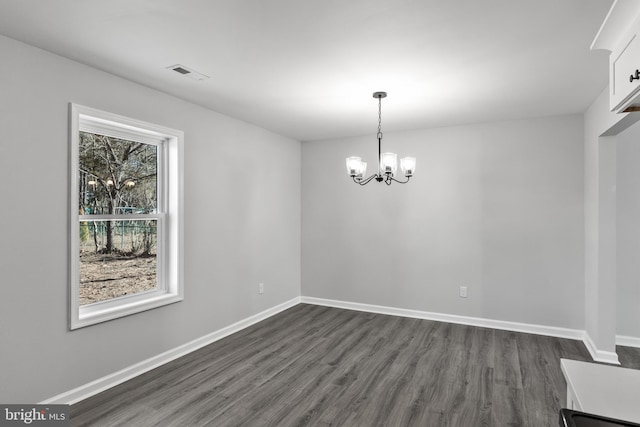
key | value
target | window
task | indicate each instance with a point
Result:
(126, 222)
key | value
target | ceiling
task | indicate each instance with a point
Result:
(307, 69)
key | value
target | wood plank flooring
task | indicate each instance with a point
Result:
(629, 357)
(320, 366)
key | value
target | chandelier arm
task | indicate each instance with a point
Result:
(364, 181)
(401, 182)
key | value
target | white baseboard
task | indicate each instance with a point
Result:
(576, 334)
(628, 341)
(600, 355)
(111, 380)
(451, 318)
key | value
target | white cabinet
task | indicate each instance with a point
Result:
(620, 35)
(625, 74)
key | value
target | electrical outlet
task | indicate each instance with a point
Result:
(261, 288)
(463, 291)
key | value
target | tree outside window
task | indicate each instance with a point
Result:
(117, 177)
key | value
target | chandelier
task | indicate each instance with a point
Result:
(387, 162)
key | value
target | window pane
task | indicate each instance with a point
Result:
(128, 267)
(116, 176)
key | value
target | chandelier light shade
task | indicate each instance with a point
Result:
(387, 162)
(356, 166)
(408, 165)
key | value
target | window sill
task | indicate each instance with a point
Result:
(113, 309)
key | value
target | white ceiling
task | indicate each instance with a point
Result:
(307, 68)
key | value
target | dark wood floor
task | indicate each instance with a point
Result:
(320, 366)
(629, 357)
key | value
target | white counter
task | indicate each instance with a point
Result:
(606, 390)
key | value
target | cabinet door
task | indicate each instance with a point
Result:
(623, 66)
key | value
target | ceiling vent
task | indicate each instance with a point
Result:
(188, 72)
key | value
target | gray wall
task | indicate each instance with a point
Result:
(628, 232)
(495, 207)
(242, 225)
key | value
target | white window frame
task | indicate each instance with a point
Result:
(170, 287)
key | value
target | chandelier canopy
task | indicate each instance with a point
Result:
(387, 162)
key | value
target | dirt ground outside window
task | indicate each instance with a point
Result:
(107, 276)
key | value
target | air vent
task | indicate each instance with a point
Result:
(181, 70)
(188, 72)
